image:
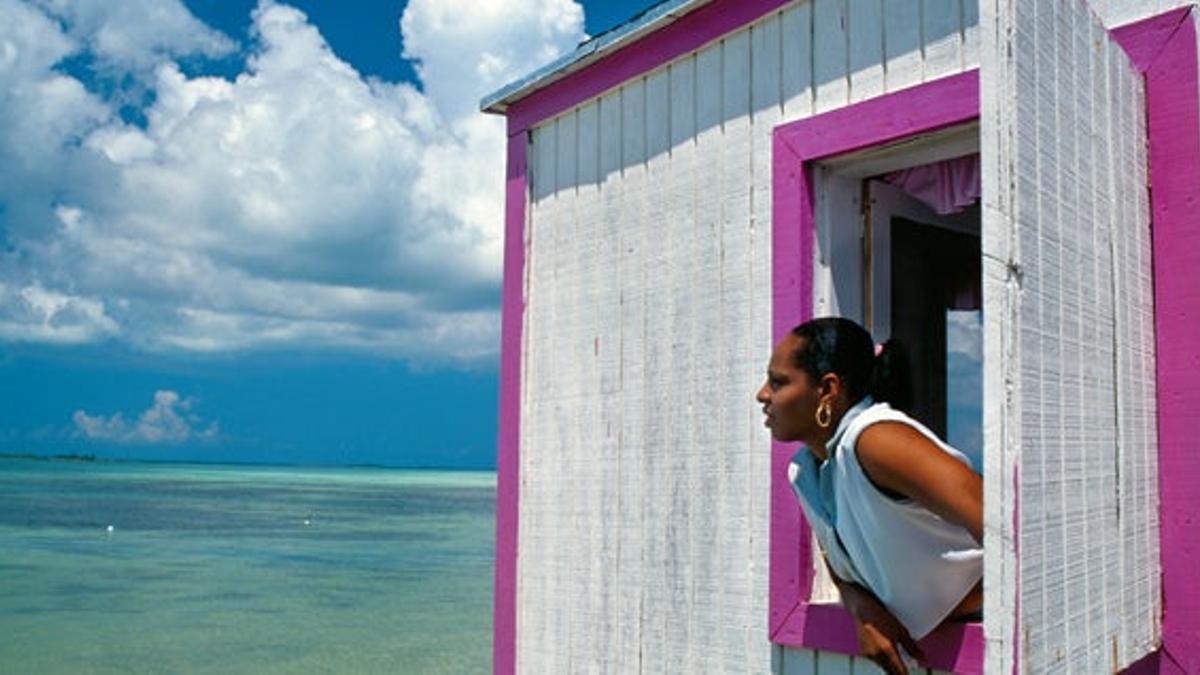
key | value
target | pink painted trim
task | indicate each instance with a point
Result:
(791, 302)
(886, 119)
(956, 648)
(1164, 49)
(1144, 40)
(796, 146)
(688, 33)
(1150, 664)
(504, 614)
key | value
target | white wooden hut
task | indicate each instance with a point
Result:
(683, 189)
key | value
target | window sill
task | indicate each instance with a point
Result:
(953, 647)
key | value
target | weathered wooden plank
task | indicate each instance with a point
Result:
(1099, 419)
(680, 402)
(731, 387)
(799, 662)
(631, 439)
(1144, 348)
(535, 630)
(527, 554)
(830, 80)
(588, 171)
(969, 11)
(588, 649)
(579, 406)
(659, 369)
(706, 526)
(865, 48)
(1125, 377)
(839, 201)
(1117, 603)
(796, 60)
(1088, 453)
(540, 571)
(1128, 478)
(607, 351)
(1144, 351)
(1136, 401)
(1042, 560)
(942, 37)
(1000, 297)
(766, 71)
(1073, 509)
(831, 663)
(566, 627)
(903, 57)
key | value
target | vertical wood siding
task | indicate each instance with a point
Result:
(1072, 568)
(644, 465)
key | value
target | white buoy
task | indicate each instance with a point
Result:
(307, 521)
(109, 529)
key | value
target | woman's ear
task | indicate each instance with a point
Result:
(830, 387)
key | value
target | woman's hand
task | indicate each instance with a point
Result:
(880, 635)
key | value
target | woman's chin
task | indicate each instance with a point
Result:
(780, 435)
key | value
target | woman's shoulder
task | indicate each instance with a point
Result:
(881, 413)
(876, 413)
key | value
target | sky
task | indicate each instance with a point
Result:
(258, 231)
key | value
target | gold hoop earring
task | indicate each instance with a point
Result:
(824, 415)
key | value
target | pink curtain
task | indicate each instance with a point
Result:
(946, 186)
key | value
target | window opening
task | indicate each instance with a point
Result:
(935, 296)
(912, 271)
(924, 269)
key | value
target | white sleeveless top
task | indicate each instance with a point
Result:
(917, 564)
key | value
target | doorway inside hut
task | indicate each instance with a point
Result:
(923, 272)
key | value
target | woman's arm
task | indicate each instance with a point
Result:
(897, 457)
(880, 634)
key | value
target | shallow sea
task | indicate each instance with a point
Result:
(243, 569)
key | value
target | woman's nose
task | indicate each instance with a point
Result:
(763, 395)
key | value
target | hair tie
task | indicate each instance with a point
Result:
(878, 350)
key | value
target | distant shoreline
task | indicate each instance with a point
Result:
(89, 458)
(72, 457)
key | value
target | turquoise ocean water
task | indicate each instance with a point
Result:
(243, 569)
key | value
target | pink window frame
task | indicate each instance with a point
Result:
(796, 148)
(1164, 49)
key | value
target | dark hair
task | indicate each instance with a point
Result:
(841, 346)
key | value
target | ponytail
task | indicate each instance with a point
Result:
(891, 377)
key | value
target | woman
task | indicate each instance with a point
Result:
(898, 513)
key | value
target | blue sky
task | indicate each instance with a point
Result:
(248, 231)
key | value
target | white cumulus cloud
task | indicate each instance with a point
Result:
(299, 204)
(168, 420)
(34, 314)
(964, 334)
(136, 34)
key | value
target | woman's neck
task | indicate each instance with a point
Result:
(816, 445)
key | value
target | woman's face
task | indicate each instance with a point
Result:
(789, 396)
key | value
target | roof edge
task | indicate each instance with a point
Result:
(588, 52)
